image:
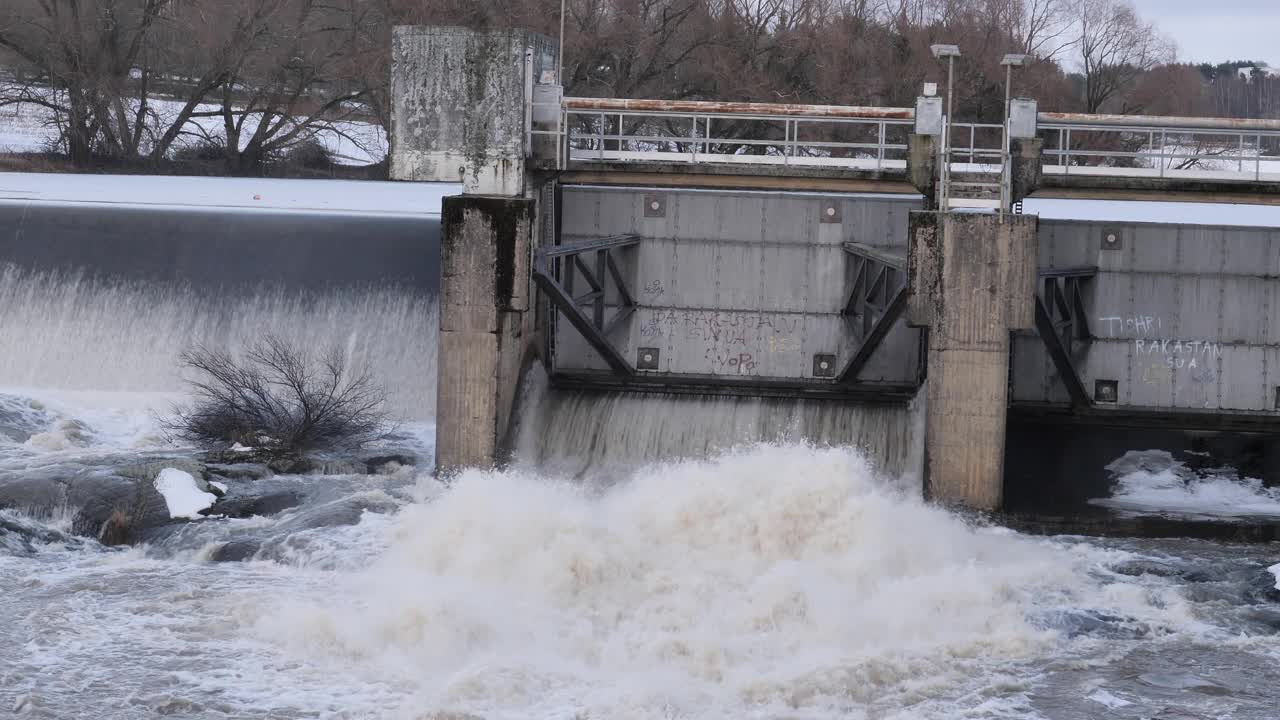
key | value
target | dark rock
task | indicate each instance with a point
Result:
(292, 465)
(260, 505)
(149, 470)
(384, 463)
(239, 471)
(236, 551)
(238, 457)
(1137, 568)
(117, 530)
(116, 510)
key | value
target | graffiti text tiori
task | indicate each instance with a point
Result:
(1134, 325)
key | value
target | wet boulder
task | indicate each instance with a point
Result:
(235, 551)
(243, 506)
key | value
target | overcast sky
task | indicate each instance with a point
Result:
(1219, 30)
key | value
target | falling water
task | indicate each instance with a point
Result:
(584, 433)
(74, 331)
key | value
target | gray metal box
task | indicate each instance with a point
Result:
(928, 115)
(1022, 118)
(546, 106)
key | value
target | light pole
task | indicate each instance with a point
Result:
(560, 62)
(950, 52)
(1010, 61)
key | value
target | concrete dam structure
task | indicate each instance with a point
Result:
(855, 256)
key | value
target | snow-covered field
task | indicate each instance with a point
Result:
(30, 128)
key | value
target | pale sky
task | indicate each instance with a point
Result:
(1219, 30)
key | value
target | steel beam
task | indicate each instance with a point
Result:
(594, 328)
(1061, 321)
(877, 299)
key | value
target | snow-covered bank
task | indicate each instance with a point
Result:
(25, 127)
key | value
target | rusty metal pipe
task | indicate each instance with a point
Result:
(1155, 121)
(738, 108)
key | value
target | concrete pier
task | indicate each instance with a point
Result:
(972, 282)
(462, 114)
(484, 310)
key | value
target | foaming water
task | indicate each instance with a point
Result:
(78, 332)
(592, 434)
(768, 582)
(1153, 481)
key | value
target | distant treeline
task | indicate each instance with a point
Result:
(132, 81)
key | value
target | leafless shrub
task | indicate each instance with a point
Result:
(280, 399)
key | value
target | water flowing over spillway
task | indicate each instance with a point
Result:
(747, 558)
(583, 433)
(74, 331)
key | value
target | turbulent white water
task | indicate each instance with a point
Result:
(772, 582)
(1154, 482)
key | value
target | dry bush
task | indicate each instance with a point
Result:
(280, 399)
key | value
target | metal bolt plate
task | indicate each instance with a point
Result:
(829, 212)
(824, 365)
(1106, 391)
(1112, 239)
(647, 358)
(655, 206)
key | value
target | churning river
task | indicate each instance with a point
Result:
(593, 579)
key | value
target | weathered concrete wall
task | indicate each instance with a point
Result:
(484, 303)
(1186, 317)
(739, 283)
(972, 280)
(459, 110)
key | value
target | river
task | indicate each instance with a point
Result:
(761, 576)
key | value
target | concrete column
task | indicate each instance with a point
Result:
(922, 167)
(972, 282)
(484, 324)
(1025, 166)
(462, 112)
(461, 105)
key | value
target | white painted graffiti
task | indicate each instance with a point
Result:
(1116, 325)
(1196, 355)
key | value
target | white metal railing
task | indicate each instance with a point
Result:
(751, 133)
(1231, 151)
(871, 138)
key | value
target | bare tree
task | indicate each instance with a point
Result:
(93, 65)
(1114, 48)
(279, 398)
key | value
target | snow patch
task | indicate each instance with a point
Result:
(181, 493)
(240, 448)
(220, 486)
(1275, 570)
